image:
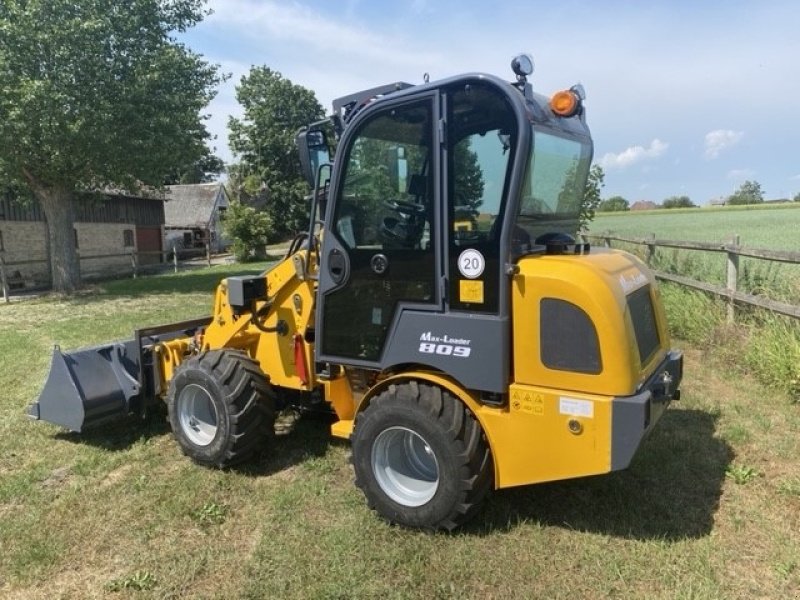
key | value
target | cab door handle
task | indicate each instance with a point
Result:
(337, 266)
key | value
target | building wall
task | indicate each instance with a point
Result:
(25, 241)
(105, 238)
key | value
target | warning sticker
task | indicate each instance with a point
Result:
(576, 408)
(470, 291)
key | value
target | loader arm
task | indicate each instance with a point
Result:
(279, 303)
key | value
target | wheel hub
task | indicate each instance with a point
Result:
(405, 466)
(197, 415)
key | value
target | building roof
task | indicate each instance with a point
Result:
(193, 205)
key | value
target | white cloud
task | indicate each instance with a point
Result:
(633, 155)
(719, 140)
(741, 174)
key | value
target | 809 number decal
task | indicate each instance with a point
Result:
(445, 349)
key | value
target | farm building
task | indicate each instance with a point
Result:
(644, 205)
(193, 216)
(108, 228)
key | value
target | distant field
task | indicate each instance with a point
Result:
(764, 226)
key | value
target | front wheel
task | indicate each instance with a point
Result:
(420, 457)
(221, 408)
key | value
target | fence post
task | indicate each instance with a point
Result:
(208, 253)
(607, 239)
(134, 266)
(733, 276)
(175, 259)
(4, 281)
(651, 249)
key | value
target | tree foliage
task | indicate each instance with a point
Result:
(678, 202)
(469, 183)
(205, 169)
(797, 197)
(614, 204)
(747, 193)
(263, 140)
(591, 195)
(249, 229)
(96, 95)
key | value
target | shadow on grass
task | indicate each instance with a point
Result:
(308, 437)
(670, 492)
(120, 434)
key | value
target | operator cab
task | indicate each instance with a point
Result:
(434, 193)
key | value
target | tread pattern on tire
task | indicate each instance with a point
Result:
(249, 401)
(466, 435)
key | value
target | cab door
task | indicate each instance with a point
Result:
(380, 245)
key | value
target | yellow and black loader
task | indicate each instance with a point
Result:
(457, 359)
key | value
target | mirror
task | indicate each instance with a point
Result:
(312, 146)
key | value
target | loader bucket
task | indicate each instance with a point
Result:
(90, 385)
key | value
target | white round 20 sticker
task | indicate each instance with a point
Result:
(471, 263)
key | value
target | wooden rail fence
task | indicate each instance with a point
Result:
(9, 278)
(733, 250)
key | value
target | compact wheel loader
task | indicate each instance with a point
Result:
(439, 304)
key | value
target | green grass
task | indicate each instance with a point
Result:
(119, 511)
(758, 226)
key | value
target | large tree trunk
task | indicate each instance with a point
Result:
(64, 261)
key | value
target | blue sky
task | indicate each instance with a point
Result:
(683, 97)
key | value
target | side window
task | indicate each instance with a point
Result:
(388, 189)
(481, 131)
(479, 163)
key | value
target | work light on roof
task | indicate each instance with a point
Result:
(522, 65)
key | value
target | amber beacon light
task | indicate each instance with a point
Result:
(565, 103)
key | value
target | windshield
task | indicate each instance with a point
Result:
(554, 184)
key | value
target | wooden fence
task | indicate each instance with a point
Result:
(733, 250)
(9, 278)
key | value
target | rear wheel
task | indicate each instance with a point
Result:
(420, 457)
(221, 408)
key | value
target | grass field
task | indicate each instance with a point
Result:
(775, 226)
(710, 507)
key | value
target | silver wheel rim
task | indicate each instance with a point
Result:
(197, 415)
(405, 466)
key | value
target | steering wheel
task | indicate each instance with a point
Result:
(407, 209)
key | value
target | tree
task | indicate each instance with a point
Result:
(748, 193)
(591, 195)
(263, 140)
(678, 202)
(205, 169)
(469, 183)
(96, 95)
(614, 204)
(797, 197)
(249, 229)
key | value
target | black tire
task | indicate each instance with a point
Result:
(221, 408)
(410, 435)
